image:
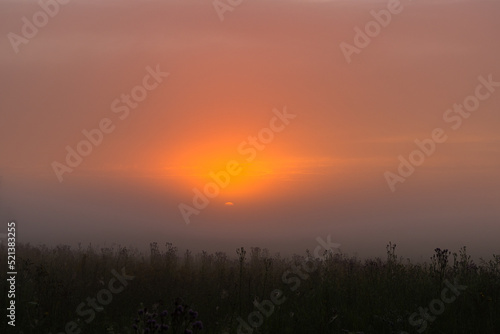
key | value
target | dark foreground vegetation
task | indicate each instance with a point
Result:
(64, 290)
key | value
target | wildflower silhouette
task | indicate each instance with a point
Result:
(181, 320)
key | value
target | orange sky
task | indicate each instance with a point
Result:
(322, 174)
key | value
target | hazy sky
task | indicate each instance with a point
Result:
(322, 172)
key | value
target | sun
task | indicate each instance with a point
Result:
(227, 171)
(229, 204)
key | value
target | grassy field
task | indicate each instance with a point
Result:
(86, 290)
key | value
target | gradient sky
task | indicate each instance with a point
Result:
(322, 175)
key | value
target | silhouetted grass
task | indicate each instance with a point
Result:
(340, 294)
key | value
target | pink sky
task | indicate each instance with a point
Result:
(322, 174)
